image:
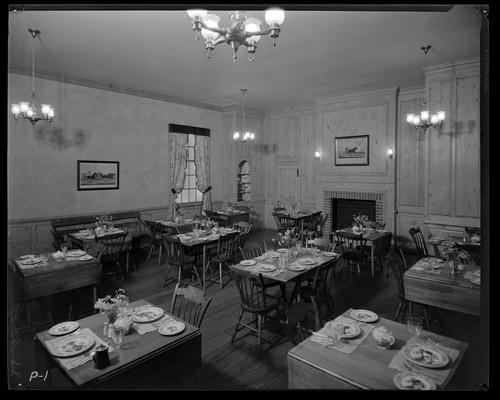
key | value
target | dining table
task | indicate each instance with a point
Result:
(361, 364)
(431, 281)
(87, 237)
(174, 226)
(139, 362)
(371, 236)
(299, 265)
(229, 217)
(194, 240)
(56, 273)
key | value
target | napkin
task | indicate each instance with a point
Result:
(143, 328)
(73, 362)
(437, 375)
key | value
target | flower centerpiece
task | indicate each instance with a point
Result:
(287, 239)
(179, 213)
(110, 306)
(104, 223)
(360, 222)
(450, 249)
(205, 224)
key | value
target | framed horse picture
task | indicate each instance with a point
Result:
(352, 150)
(98, 175)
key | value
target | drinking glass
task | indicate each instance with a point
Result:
(118, 334)
(281, 262)
(415, 325)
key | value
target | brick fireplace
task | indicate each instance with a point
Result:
(366, 202)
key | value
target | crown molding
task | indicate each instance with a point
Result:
(473, 62)
(392, 91)
(111, 88)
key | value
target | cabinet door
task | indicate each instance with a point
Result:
(288, 185)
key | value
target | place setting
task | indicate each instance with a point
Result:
(29, 260)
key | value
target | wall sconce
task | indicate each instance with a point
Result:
(317, 154)
(390, 152)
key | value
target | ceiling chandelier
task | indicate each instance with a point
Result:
(245, 135)
(243, 30)
(24, 109)
(425, 119)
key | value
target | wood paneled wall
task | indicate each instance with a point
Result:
(439, 171)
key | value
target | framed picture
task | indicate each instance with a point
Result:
(98, 175)
(352, 150)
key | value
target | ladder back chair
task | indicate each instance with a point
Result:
(254, 301)
(301, 320)
(227, 248)
(283, 222)
(244, 228)
(114, 246)
(190, 304)
(352, 246)
(177, 256)
(157, 231)
(418, 238)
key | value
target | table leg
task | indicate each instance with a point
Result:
(203, 265)
(373, 259)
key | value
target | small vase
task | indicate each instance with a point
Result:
(105, 329)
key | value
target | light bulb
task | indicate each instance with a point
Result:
(212, 21)
(317, 154)
(390, 152)
(16, 110)
(434, 119)
(274, 16)
(24, 106)
(253, 25)
(236, 135)
(424, 115)
(416, 120)
(196, 13)
(441, 115)
(409, 118)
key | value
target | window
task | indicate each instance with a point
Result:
(190, 192)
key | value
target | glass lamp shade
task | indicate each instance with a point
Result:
(212, 21)
(16, 110)
(253, 25)
(30, 112)
(50, 114)
(45, 109)
(424, 115)
(409, 118)
(434, 119)
(24, 106)
(196, 13)
(274, 16)
(236, 136)
(416, 120)
(441, 115)
(252, 136)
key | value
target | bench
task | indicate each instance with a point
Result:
(131, 220)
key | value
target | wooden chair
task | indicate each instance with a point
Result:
(283, 222)
(255, 301)
(177, 256)
(190, 304)
(244, 228)
(185, 228)
(268, 283)
(351, 246)
(226, 251)
(279, 209)
(381, 252)
(320, 289)
(58, 239)
(311, 223)
(215, 217)
(400, 268)
(321, 243)
(301, 320)
(114, 245)
(157, 231)
(418, 238)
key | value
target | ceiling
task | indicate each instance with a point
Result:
(319, 54)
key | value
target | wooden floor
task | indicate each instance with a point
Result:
(240, 365)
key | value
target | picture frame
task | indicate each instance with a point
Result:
(352, 150)
(98, 175)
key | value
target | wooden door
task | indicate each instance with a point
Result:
(288, 185)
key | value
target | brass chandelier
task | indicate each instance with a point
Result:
(244, 30)
(29, 111)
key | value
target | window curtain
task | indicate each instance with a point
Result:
(202, 163)
(178, 163)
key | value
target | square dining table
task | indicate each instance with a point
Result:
(312, 365)
(440, 288)
(138, 357)
(55, 276)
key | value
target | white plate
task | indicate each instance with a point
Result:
(265, 268)
(147, 314)
(171, 328)
(294, 267)
(329, 253)
(30, 261)
(282, 250)
(347, 330)
(412, 381)
(75, 253)
(271, 254)
(64, 328)
(248, 262)
(85, 257)
(27, 256)
(476, 280)
(426, 355)
(364, 315)
(72, 345)
(260, 258)
(307, 261)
